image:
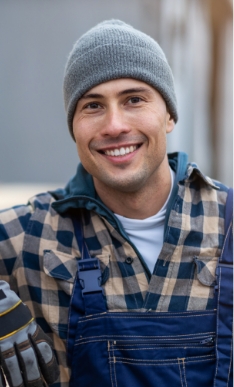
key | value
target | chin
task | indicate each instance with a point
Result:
(128, 185)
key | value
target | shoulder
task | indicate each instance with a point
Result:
(209, 187)
(194, 182)
(203, 197)
(41, 202)
(15, 220)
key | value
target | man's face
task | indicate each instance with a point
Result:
(120, 130)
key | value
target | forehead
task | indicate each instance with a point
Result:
(117, 85)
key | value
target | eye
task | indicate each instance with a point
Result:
(92, 105)
(134, 100)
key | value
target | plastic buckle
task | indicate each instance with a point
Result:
(90, 275)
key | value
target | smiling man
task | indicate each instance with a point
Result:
(126, 268)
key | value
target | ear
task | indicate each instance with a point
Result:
(170, 123)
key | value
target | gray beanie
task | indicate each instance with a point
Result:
(112, 50)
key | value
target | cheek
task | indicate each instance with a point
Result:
(152, 119)
(81, 142)
(82, 148)
(153, 127)
(81, 134)
(85, 129)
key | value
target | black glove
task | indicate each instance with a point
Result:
(26, 355)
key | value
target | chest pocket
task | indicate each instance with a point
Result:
(205, 267)
(59, 272)
(202, 289)
(60, 265)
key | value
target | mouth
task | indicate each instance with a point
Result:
(121, 151)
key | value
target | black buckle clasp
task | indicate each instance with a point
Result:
(90, 275)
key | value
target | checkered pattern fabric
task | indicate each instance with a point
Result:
(39, 253)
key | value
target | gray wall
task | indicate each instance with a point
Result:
(35, 39)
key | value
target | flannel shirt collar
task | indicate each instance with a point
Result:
(80, 191)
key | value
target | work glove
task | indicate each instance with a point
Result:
(26, 355)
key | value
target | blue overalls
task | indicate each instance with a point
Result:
(186, 349)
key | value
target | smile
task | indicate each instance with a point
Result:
(121, 151)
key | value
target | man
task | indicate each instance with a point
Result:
(119, 268)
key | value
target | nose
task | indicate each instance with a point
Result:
(115, 122)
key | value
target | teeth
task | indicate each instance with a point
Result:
(121, 151)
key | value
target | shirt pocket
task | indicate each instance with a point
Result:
(60, 272)
(60, 265)
(201, 295)
(205, 267)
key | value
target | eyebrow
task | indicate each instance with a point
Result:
(134, 90)
(122, 92)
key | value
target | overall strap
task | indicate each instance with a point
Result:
(89, 274)
(224, 274)
(87, 297)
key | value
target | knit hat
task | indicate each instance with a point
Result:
(112, 50)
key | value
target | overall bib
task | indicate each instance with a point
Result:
(184, 349)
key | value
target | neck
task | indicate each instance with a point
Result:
(141, 204)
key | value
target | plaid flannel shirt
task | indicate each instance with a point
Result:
(39, 252)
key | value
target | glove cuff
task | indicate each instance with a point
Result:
(14, 319)
(8, 298)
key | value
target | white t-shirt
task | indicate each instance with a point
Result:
(147, 234)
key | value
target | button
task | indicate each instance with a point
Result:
(129, 260)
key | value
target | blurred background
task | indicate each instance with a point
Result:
(36, 150)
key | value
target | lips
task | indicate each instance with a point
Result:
(123, 145)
